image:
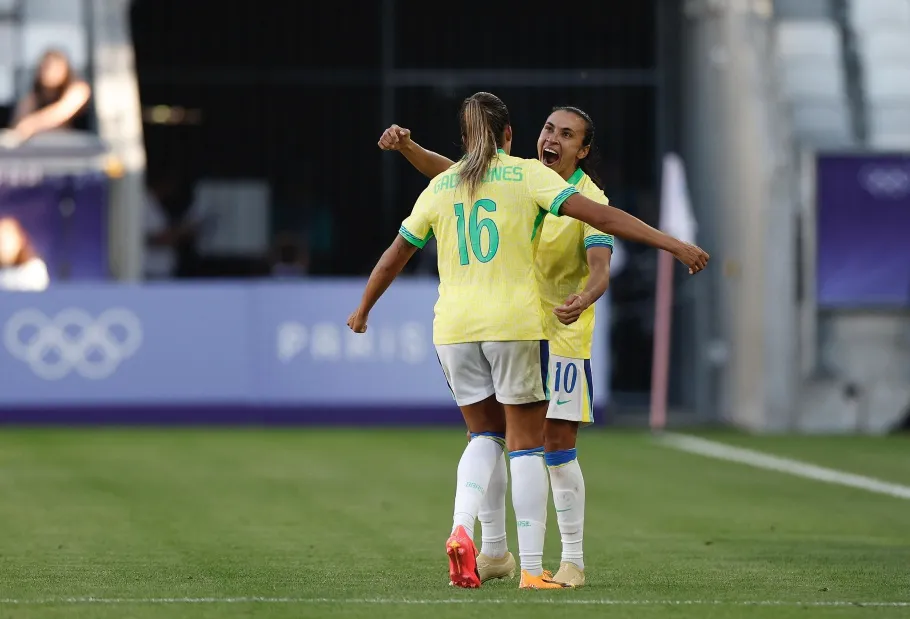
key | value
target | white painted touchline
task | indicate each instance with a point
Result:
(713, 449)
(558, 600)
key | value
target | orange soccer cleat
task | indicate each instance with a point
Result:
(540, 582)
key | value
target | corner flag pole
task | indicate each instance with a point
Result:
(676, 219)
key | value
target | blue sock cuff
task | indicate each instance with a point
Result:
(559, 458)
(537, 451)
(497, 437)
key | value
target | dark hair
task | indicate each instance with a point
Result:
(46, 96)
(484, 118)
(27, 251)
(589, 163)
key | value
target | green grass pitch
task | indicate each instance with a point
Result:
(351, 524)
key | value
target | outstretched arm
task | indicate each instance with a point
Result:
(55, 115)
(427, 162)
(384, 273)
(611, 220)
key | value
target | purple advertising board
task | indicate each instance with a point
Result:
(257, 352)
(863, 231)
(65, 218)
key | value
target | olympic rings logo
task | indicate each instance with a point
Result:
(73, 341)
(886, 182)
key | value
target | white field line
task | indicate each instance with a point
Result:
(721, 451)
(535, 601)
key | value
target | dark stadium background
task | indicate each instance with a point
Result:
(288, 91)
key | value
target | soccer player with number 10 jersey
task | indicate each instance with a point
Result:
(486, 213)
(573, 264)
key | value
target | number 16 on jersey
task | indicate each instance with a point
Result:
(474, 229)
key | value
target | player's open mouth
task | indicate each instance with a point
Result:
(549, 157)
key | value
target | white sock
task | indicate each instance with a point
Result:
(474, 471)
(530, 490)
(493, 513)
(569, 498)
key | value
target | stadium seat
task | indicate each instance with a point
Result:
(812, 80)
(810, 69)
(882, 29)
(889, 126)
(60, 11)
(808, 38)
(821, 124)
(888, 45)
(810, 60)
(887, 83)
(866, 15)
(802, 9)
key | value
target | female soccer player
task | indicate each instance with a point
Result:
(489, 329)
(573, 261)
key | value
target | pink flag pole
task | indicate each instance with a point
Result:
(676, 219)
(660, 364)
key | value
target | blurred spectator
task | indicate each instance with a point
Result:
(57, 100)
(290, 257)
(20, 267)
(304, 204)
(171, 227)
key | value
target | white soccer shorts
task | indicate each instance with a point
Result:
(515, 372)
(570, 390)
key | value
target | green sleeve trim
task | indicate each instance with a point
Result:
(414, 239)
(541, 214)
(562, 197)
(599, 240)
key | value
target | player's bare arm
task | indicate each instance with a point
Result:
(611, 220)
(598, 282)
(384, 273)
(427, 162)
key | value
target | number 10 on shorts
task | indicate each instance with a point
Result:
(570, 392)
(565, 378)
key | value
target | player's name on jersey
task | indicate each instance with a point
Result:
(509, 173)
(409, 342)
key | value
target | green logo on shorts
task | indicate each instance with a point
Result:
(561, 402)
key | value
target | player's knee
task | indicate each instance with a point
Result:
(521, 441)
(560, 435)
(484, 416)
(524, 426)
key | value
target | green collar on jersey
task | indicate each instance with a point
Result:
(576, 177)
(500, 151)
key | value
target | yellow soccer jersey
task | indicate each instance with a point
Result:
(487, 246)
(562, 263)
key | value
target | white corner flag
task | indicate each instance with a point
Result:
(676, 219)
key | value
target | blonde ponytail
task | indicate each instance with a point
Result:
(480, 144)
(484, 118)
